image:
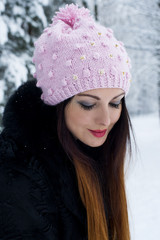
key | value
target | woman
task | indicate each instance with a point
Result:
(65, 135)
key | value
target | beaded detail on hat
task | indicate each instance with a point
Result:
(75, 54)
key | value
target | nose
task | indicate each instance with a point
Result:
(103, 117)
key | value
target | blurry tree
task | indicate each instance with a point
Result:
(136, 23)
(21, 23)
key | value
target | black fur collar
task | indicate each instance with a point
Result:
(28, 120)
(32, 125)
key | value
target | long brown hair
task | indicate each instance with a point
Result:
(103, 187)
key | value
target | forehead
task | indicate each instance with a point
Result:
(104, 92)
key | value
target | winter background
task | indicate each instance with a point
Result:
(137, 24)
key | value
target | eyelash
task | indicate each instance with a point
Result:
(114, 105)
(87, 107)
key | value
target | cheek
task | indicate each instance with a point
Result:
(80, 118)
(76, 118)
(115, 117)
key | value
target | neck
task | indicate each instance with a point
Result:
(93, 152)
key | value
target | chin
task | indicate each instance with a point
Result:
(95, 144)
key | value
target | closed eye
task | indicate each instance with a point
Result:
(85, 106)
(115, 105)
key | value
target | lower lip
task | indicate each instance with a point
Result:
(98, 134)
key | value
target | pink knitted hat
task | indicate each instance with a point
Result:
(75, 54)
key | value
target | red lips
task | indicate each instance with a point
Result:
(98, 133)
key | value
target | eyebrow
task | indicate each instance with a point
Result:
(93, 96)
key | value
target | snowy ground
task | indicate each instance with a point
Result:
(143, 180)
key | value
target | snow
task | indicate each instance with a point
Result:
(4, 32)
(143, 179)
(18, 10)
(16, 70)
(15, 28)
(2, 87)
(39, 12)
(2, 7)
(44, 2)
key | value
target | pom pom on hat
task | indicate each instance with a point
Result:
(75, 54)
(71, 14)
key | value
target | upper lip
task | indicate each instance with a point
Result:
(98, 130)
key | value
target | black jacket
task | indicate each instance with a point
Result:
(39, 198)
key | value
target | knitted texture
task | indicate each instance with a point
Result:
(75, 54)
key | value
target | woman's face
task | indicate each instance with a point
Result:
(97, 109)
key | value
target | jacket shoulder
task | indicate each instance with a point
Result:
(28, 207)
